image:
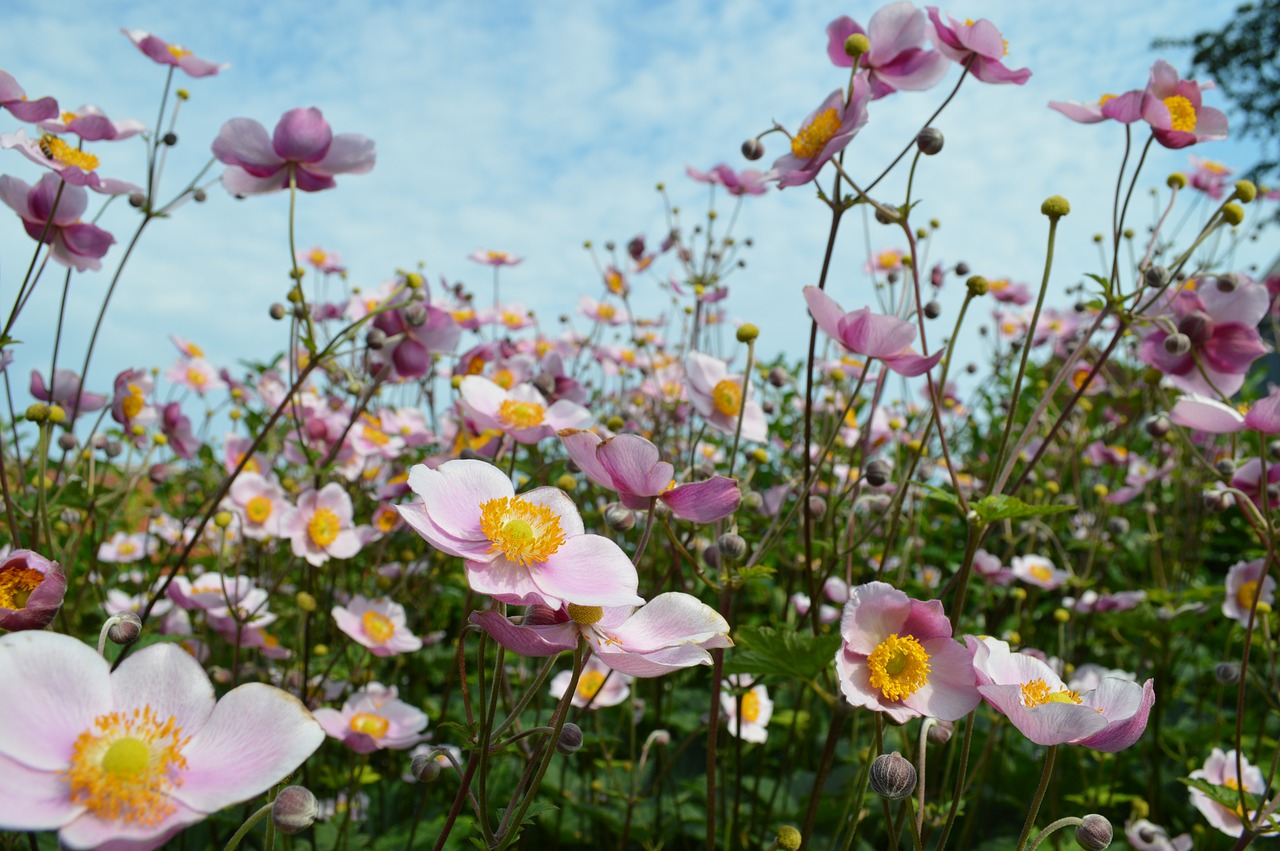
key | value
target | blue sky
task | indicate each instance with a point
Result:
(532, 127)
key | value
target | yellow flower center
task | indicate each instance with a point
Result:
(370, 724)
(258, 509)
(1039, 571)
(522, 531)
(811, 139)
(131, 405)
(378, 627)
(385, 520)
(614, 281)
(461, 316)
(497, 255)
(521, 414)
(542, 346)
(1182, 113)
(177, 51)
(504, 378)
(1036, 693)
(750, 707)
(585, 615)
(1247, 594)
(323, 527)
(1103, 100)
(589, 684)
(899, 667)
(56, 149)
(374, 435)
(196, 377)
(67, 117)
(16, 585)
(512, 319)
(317, 256)
(127, 548)
(727, 397)
(606, 311)
(889, 259)
(124, 766)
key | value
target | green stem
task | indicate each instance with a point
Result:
(240, 834)
(1045, 776)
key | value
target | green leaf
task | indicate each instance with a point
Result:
(1229, 798)
(1004, 507)
(765, 651)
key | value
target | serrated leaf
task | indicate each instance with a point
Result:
(756, 571)
(1229, 798)
(765, 651)
(933, 492)
(1005, 507)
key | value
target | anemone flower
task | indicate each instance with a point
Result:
(72, 242)
(31, 590)
(164, 53)
(1173, 108)
(374, 718)
(303, 147)
(823, 134)
(378, 625)
(14, 99)
(872, 335)
(898, 58)
(979, 45)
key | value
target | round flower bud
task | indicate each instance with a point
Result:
(566, 482)
(136, 200)
(747, 332)
(932, 310)
(66, 441)
(1118, 526)
(1226, 468)
(37, 412)
(1055, 207)
(789, 839)
(619, 518)
(276, 311)
(1177, 180)
(199, 196)
(294, 809)
(424, 768)
(305, 601)
(1227, 283)
(614, 423)
(414, 281)
(170, 138)
(222, 519)
(753, 149)
(817, 506)
(113, 447)
(1273, 450)
(570, 740)
(892, 776)
(856, 45)
(1246, 191)
(929, 141)
(753, 500)
(57, 414)
(1061, 615)
(1233, 213)
(126, 629)
(1094, 832)
(962, 269)
(183, 94)
(415, 315)
(877, 472)
(977, 286)
(940, 732)
(886, 215)
(732, 545)
(777, 377)
(1227, 673)
(1177, 344)
(376, 338)
(1156, 276)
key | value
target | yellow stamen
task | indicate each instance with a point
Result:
(521, 414)
(16, 585)
(727, 397)
(196, 377)
(323, 527)
(750, 707)
(258, 509)
(317, 257)
(1182, 113)
(899, 667)
(504, 378)
(523, 531)
(378, 627)
(56, 149)
(385, 519)
(1103, 100)
(132, 404)
(374, 435)
(606, 311)
(589, 684)
(177, 51)
(1036, 693)
(1039, 571)
(370, 724)
(811, 139)
(125, 765)
(1247, 593)
(585, 615)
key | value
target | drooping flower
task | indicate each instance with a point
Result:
(72, 242)
(322, 527)
(164, 53)
(823, 134)
(374, 718)
(751, 724)
(1146, 836)
(527, 549)
(898, 657)
(92, 125)
(1245, 584)
(718, 397)
(671, 631)
(14, 99)
(1220, 770)
(898, 58)
(1031, 695)
(411, 347)
(746, 182)
(377, 624)
(872, 335)
(599, 686)
(979, 45)
(31, 590)
(1173, 108)
(632, 466)
(65, 390)
(128, 758)
(303, 145)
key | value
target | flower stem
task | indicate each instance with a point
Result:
(1045, 775)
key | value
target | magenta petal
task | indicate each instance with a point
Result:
(581, 446)
(875, 334)
(87, 241)
(875, 611)
(302, 136)
(1233, 348)
(589, 570)
(838, 32)
(1264, 416)
(543, 640)
(256, 736)
(1126, 108)
(926, 621)
(33, 110)
(910, 364)
(1126, 707)
(244, 142)
(1205, 414)
(704, 502)
(827, 313)
(350, 153)
(634, 465)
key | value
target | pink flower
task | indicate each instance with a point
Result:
(31, 590)
(746, 182)
(1038, 570)
(823, 134)
(374, 718)
(1246, 583)
(409, 347)
(74, 166)
(132, 756)
(123, 548)
(196, 374)
(1146, 836)
(1172, 106)
(1220, 770)
(1028, 692)
(1209, 415)
(14, 99)
(303, 145)
(73, 243)
(978, 44)
(897, 58)
(494, 258)
(1210, 177)
(599, 686)
(671, 631)
(378, 625)
(631, 465)
(872, 335)
(526, 549)
(1125, 108)
(164, 53)
(717, 396)
(521, 412)
(92, 125)
(898, 657)
(321, 527)
(752, 723)
(262, 506)
(328, 262)
(129, 405)
(66, 391)
(176, 426)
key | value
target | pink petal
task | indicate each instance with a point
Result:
(581, 446)
(528, 640)
(1205, 414)
(32, 799)
(170, 681)
(1264, 416)
(704, 502)
(893, 29)
(1048, 724)
(559, 503)
(838, 32)
(634, 465)
(244, 142)
(589, 570)
(826, 312)
(350, 153)
(1126, 708)
(950, 693)
(507, 581)
(910, 364)
(654, 664)
(1085, 113)
(256, 736)
(855, 685)
(88, 831)
(453, 493)
(875, 611)
(302, 136)
(237, 181)
(876, 335)
(670, 620)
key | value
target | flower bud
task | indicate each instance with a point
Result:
(305, 601)
(1156, 276)
(136, 200)
(415, 315)
(753, 500)
(778, 377)
(1177, 180)
(222, 519)
(294, 809)
(1227, 673)
(877, 472)
(1094, 832)
(1118, 526)
(37, 412)
(1246, 191)
(753, 149)
(1177, 344)
(856, 45)
(66, 441)
(789, 839)
(940, 732)
(1226, 468)
(892, 776)
(932, 310)
(425, 768)
(126, 629)
(817, 506)
(1233, 213)
(615, 423)
(570, 740)
(1055, 207)
(962, 269)
(170, 138)
(747, 332)
(199, 196)
(376, 338)
(276, 311)
(977, 286)
(619, 518)
(929, 141)
(1227, 283)
(731, 545)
